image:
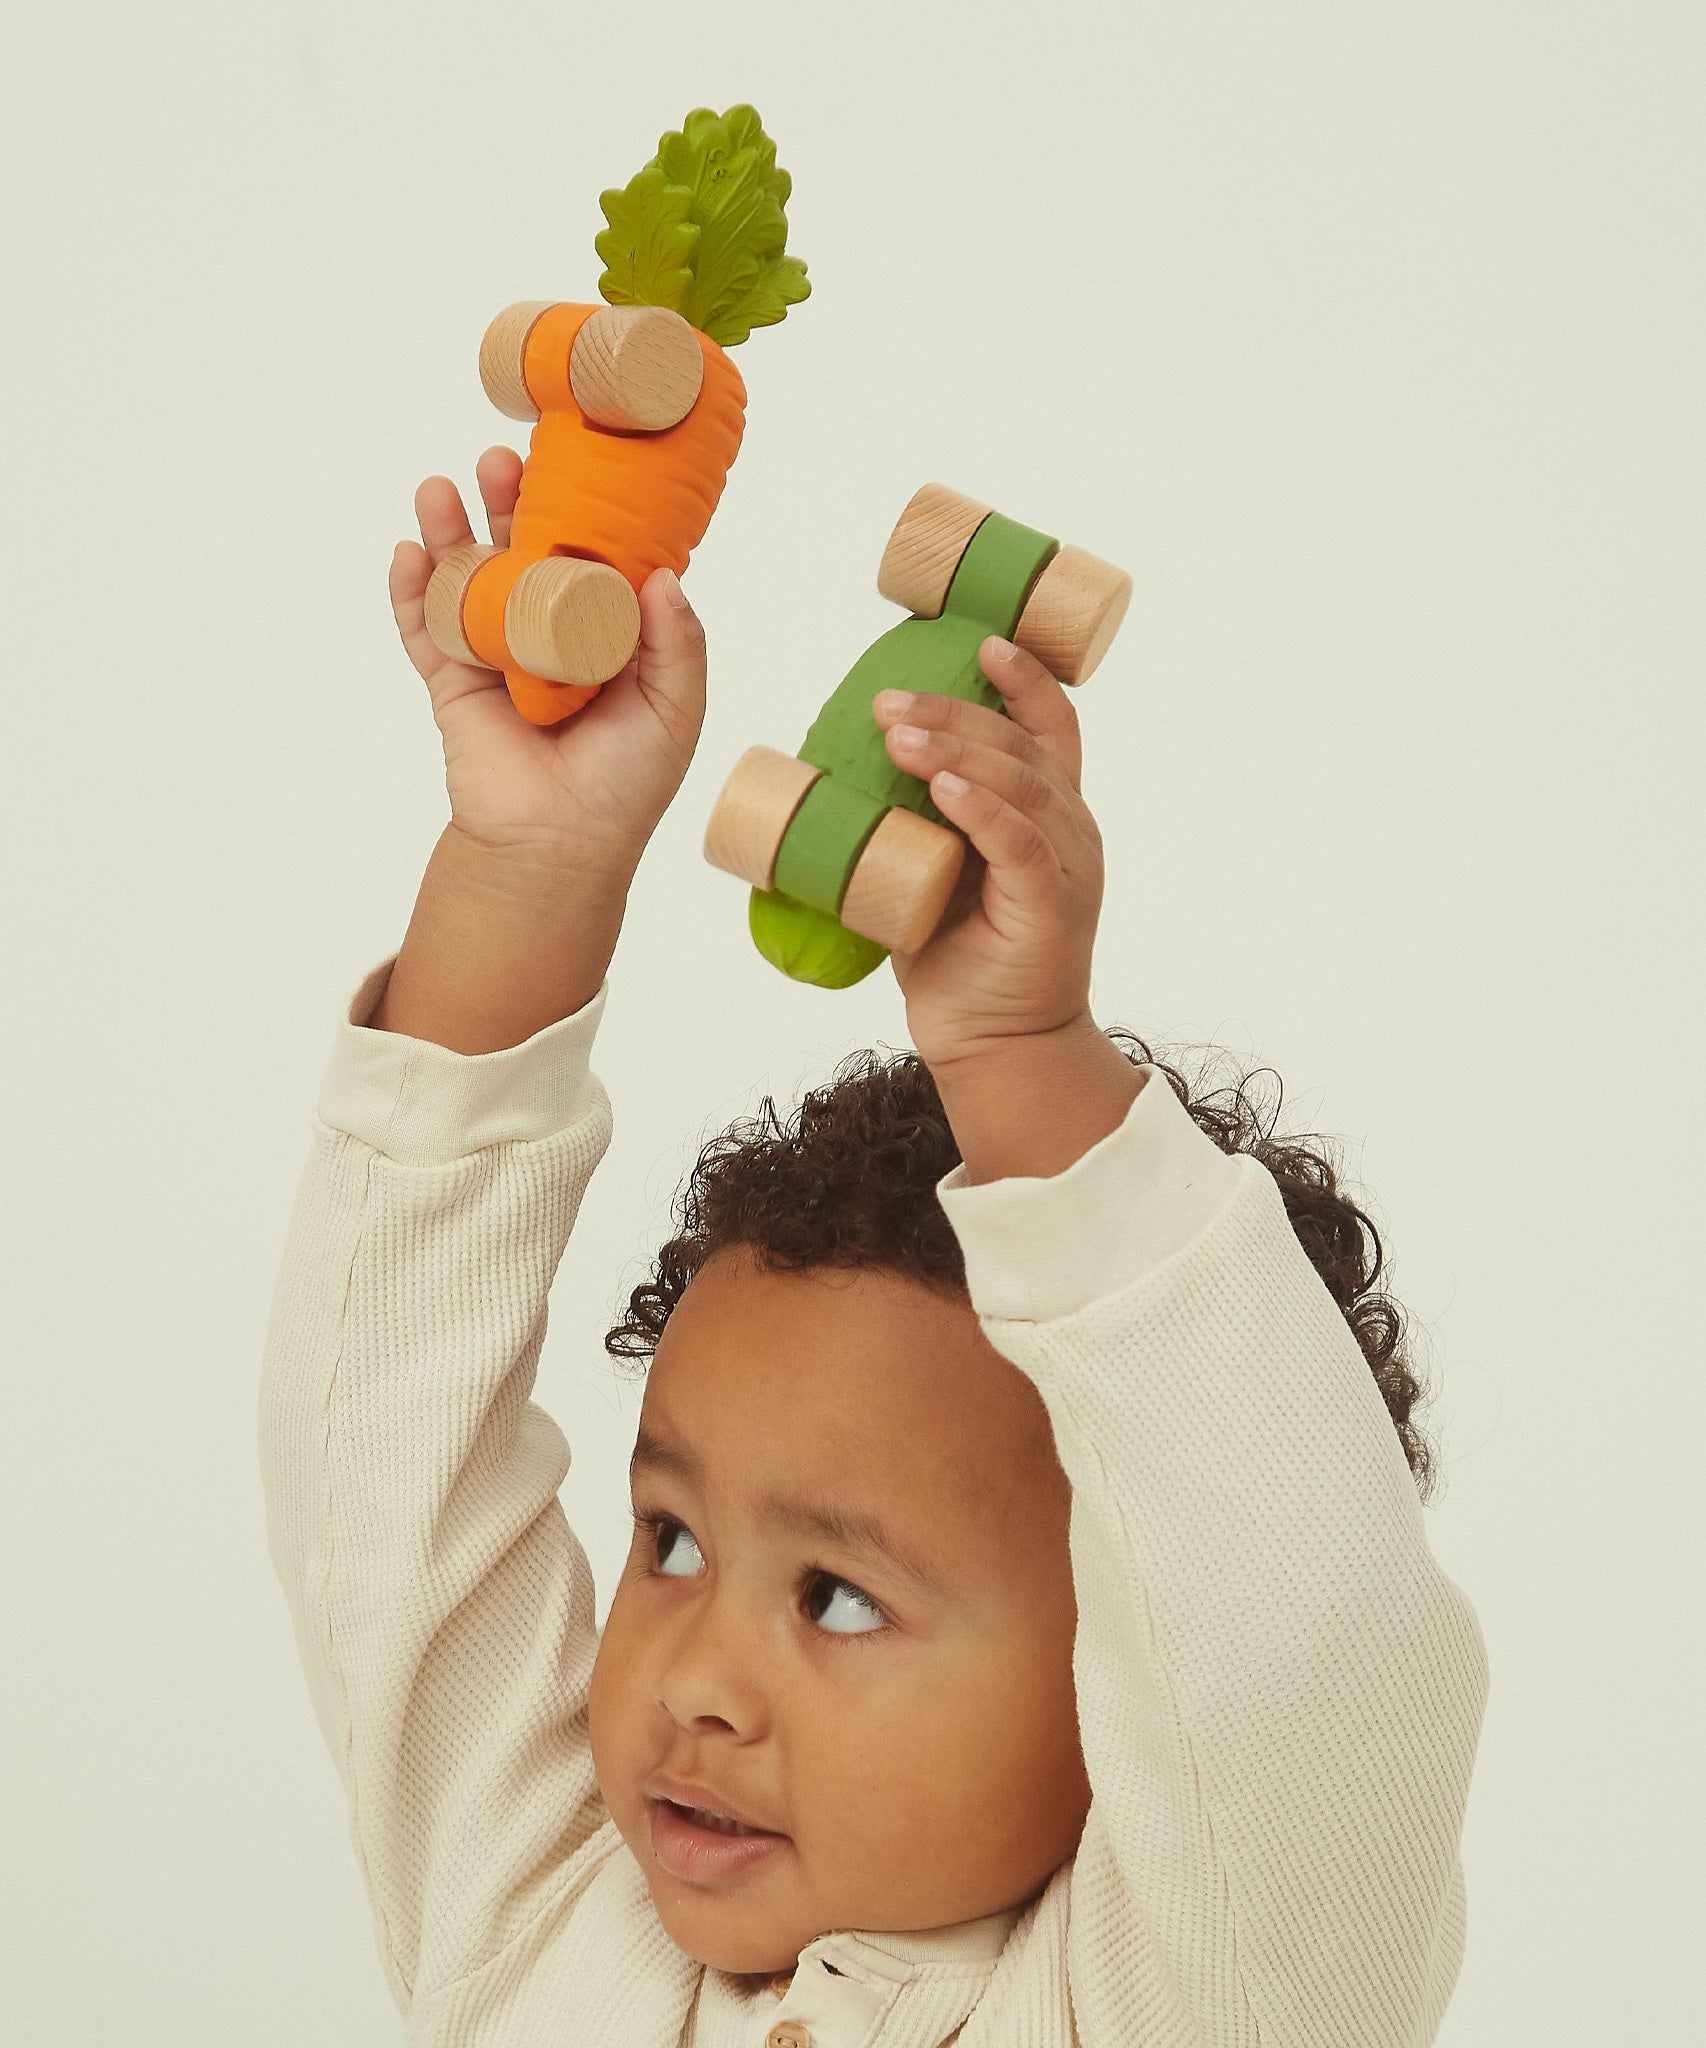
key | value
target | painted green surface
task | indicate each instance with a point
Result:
(809, 945)
(987, 594)
(997, 571)
(860, 782)
(826, 837)
(702, 229)
(935, 655)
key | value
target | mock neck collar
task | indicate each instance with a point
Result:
(967, 1941)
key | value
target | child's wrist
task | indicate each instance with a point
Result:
(537, 861)
(501, 945)
(1032, 1105)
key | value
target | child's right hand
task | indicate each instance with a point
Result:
(522, 900)
(593, 788)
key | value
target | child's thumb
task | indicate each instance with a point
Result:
(671, 652)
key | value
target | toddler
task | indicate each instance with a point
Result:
(1029, 1637)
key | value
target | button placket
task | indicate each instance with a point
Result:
(840, 2010)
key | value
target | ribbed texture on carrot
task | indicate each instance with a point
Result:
(637, 501)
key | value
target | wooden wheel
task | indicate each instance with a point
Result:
(636, 367)
(925, 548)
(902, 881)
(572, 621)
(445, 590)
(502, 353)
(757, 805)
(1073, 612)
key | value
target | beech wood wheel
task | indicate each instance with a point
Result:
(637, 368)
(1073, 612)
(503, 350)
(445, 590)
(572, 621)
(749, 820)
(925, 548)
(902, 881)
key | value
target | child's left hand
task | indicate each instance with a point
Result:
(998, 1002)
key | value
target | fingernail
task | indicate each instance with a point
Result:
(950, 784)
(1004, 649)
(673, 592)
(907, 735)
(893, 702)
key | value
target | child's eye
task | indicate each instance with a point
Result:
(858, 1616)
(675, 1560)
(836, 1605)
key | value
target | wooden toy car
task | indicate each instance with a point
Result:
(639, 414)
(847, 856)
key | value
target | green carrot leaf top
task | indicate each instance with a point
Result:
(649, 243)
(702, 229)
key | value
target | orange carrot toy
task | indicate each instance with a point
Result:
(639, 415)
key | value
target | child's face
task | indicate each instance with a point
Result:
(919, 1755)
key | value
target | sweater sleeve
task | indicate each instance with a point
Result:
(443, 1607)
(1279, 1691)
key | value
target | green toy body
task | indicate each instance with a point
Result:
(795, 925)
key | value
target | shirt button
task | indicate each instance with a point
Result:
(788, 2034)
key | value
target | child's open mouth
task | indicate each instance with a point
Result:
(692, 1843)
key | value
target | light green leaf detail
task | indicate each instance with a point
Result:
(809, 945)
(649, 245)
(767, 298)
(717, 178)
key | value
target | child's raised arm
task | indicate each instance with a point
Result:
(523, 897)
(1279, 1691)
(443, 1606)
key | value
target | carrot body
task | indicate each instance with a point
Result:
(637, 501)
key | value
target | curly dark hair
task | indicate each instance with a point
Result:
(849, 1179)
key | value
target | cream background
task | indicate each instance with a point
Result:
(1367, 335)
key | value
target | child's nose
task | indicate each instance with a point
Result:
(710, 1676)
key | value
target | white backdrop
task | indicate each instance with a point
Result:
(1368, 336)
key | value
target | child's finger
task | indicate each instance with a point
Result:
(443, 522)
(498, 473)
(1028, 786)
(1035, 701)
(1021, 859)
(988, 746)
(411, 570)
(444, 525)
(670, 659)
(939, 712)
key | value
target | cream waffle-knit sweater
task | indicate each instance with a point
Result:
(1279, 1691)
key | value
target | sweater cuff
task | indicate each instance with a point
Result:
(423, 1105)
(1038, 1249)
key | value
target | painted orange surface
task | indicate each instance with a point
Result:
(637, 501)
